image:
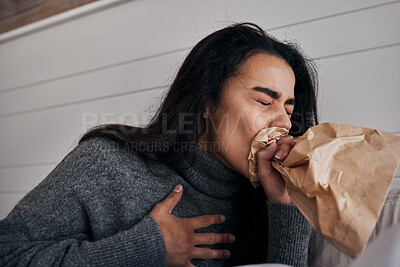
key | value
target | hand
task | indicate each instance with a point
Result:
(271, 180)
(179, 236)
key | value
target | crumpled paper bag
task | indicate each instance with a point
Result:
(264, 138)
(338, 176)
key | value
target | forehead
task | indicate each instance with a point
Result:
(268, 71)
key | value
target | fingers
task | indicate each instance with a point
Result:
(285, 145)
(264, 156)
(205, 221)
(271, 180)
(267, 153)
(285, 139)
(213, 238)
(294, 141)
(208, 254)
(169, 203)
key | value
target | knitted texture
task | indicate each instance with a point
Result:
(289, 218)
(92, 210)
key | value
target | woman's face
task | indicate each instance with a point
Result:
(260, 96)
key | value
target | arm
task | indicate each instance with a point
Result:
(130, 247)
(58, 224)
(289, 235)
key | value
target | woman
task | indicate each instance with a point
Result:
(109, 201)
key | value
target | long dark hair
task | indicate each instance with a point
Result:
(179, 123)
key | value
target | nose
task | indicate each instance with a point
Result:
(281, 119)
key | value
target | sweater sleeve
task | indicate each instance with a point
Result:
(126, 248)
(289, 235)
(67, 221)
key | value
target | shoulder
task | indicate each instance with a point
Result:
(104, 160)
(96, 167)
(119, 173)
(96, 163)
(104, 153)
(97, 147)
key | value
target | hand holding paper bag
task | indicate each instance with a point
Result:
(338, 176)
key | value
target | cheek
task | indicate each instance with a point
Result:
(238, 139)
(256, 120)
(243, 126)
(260, 121)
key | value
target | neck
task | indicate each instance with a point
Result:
(209, 175)
(208, 146)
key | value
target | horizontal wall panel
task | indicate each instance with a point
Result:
(396, 183)
(362, 89)
(115, 35)
(22, 179)
(126, 78)
(8, 201)
(47, 136)
(315, 37)
(346, 33)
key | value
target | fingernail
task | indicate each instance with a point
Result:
(222, 218)
(177, 188)
(232, 238)
(279, 154)
(269, 147)
(227, 254)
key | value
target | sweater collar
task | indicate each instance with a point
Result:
(209, 175)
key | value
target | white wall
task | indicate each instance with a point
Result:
(119, 60)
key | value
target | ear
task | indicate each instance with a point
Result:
(206, 114)
(208, 111)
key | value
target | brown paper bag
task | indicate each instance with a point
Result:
(338, 176)
(264, 138)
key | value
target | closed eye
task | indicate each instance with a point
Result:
(263, 103)
(268, 104)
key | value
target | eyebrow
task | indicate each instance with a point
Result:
(273, 94)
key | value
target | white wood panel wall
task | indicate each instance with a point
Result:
(116, 63)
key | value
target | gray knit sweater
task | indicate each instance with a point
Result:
(92, 210)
